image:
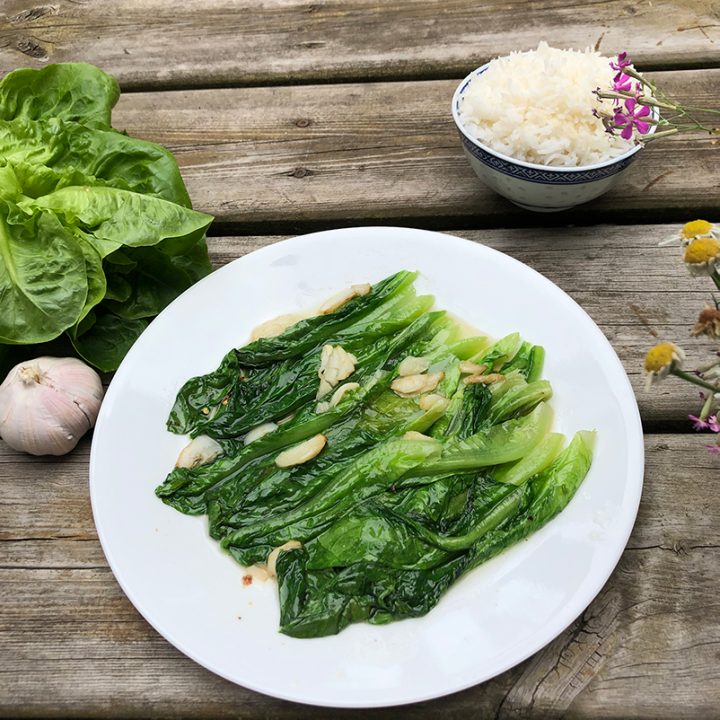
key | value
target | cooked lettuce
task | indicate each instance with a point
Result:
(383, 520)
(97, 234)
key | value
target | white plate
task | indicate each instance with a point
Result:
(493, 618)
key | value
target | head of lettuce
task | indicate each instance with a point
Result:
(97, 233)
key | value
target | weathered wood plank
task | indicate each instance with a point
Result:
(383, 151)
(647, 646)
(152, 43)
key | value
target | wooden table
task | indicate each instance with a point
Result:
(289, 116)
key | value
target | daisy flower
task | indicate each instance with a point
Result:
(701, 256)
(661, 360)
(691, 231)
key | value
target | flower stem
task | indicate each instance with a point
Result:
(696, 380)
(707, 406)
(644, 100)
(716, 278)
(694, 108)
(633, 73)
(660, 134)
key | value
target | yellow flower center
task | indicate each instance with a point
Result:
(701, 250)
(659, 357)
(695, 228)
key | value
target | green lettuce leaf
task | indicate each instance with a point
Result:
(100, 157)
(108, 339)
(114, 218)
(158, 279)
(70, 91)
(43, 278)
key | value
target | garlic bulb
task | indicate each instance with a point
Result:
(48, 404)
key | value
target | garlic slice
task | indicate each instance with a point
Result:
(414, 385)
(414, 435)
(274, 554)
(430, 401)
(259, 431)
(339, 299)
(412, 365)
(483, 379)
(337, 396)
(275, 326)
(301, 453)
(471, 368)
(199, 451)
(340, 393)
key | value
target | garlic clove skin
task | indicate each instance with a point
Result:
(48, 404)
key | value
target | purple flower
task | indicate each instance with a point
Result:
(622, 82)
(698, 424)
(632, 118)
(713, 449)
(713, 423)
(623, 61)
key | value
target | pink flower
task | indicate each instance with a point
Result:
(623, 61)
(622, 83)
(713, 449)
(713, 423)
(632, 118)
(698, 424)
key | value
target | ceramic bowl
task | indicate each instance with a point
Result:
(543, 188)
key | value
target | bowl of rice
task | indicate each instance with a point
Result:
(527, 127)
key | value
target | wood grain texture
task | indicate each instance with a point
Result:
(151, 43)
(637, 292)
(74, 646)
(387, 151)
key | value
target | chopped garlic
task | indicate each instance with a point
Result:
(413, 385)
(471, 368)
(413, 366)
(430, 401)
(483, 379)
(335, 365)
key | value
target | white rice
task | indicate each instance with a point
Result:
(537, 106)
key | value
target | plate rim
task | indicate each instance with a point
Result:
(634, 466)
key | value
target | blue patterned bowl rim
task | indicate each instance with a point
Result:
(533, 172)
